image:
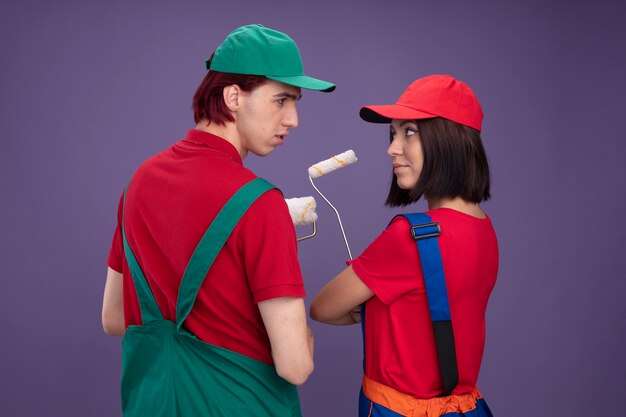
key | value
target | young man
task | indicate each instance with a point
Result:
(246, 307)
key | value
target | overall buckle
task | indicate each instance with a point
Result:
(420, 231)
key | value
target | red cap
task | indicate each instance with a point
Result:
(428, 97)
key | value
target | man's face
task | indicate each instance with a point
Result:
(265, 116)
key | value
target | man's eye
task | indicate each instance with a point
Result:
(281, 101)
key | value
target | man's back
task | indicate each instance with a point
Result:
(172, 199)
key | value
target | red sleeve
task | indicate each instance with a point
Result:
(390, 265)
(267, 239)
(115, 259)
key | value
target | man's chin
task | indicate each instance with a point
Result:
(263, 152)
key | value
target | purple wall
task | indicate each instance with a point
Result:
(90, 89)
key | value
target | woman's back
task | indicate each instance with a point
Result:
(399, 341)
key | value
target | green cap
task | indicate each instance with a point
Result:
(257, 50)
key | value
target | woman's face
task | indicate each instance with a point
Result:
(406, 153)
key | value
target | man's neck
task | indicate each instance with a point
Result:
(228, 132)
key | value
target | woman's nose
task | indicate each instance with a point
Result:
(394, 149)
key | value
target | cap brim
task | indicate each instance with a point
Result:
(385, 113)
(305, 82)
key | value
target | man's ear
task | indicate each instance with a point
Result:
(232, 97)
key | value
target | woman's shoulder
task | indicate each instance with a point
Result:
(399, 225)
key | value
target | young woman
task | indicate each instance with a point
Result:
(422, 286)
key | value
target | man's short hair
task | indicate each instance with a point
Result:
(455, 165)
(208, 101)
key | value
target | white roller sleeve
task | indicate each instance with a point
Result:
(332, 164)
(302, 210)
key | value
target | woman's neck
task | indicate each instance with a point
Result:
(458, 204)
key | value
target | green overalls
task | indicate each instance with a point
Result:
(167, 371)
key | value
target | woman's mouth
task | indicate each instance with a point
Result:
(398, 167)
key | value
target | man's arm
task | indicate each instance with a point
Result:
(112, 305)
(290, 337)
(338, 302)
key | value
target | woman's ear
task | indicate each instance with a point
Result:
(232, 95)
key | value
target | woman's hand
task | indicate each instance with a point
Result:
(356, 314)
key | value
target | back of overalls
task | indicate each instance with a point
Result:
(379, 400)
(168, 372)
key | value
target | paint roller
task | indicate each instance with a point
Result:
(302, 212)
(325, 167)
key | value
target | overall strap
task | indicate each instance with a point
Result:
(212, 242)
(425, 232)
(149, 308)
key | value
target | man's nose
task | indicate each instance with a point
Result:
(291, 118)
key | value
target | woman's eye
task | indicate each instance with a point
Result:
(410, 132)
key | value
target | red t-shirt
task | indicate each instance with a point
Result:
(400, 349)
(171, 201)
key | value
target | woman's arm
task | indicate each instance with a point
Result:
(338, 302)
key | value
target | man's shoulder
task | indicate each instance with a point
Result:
(154, 160)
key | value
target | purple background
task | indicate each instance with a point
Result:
(89, 89)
